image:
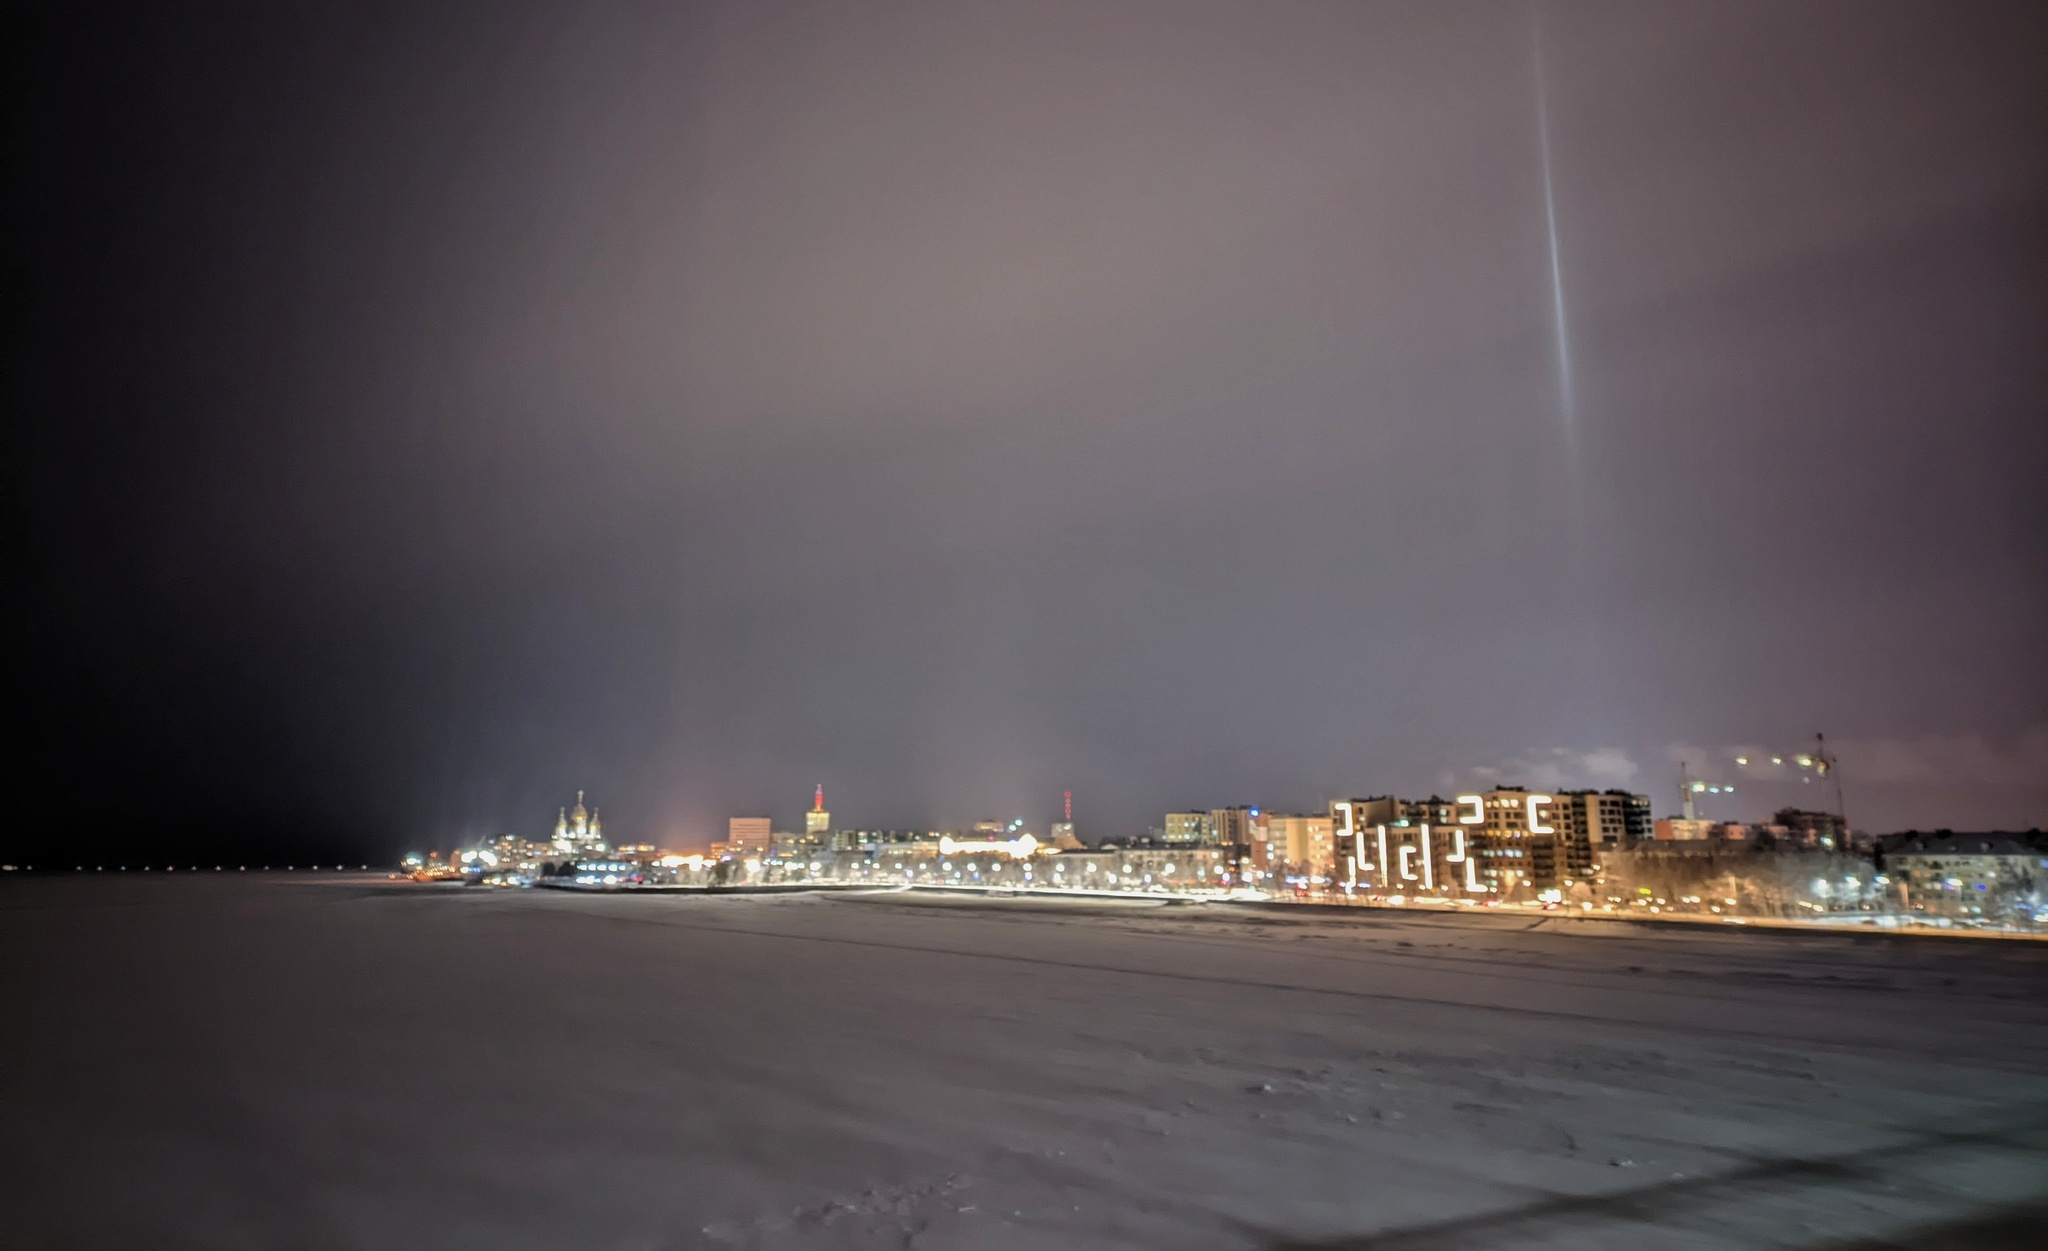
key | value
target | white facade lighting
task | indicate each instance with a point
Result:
(1019, 848)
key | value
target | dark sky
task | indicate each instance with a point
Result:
(423, 412)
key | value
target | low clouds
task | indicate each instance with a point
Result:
(1557, 768)
(1773, 775)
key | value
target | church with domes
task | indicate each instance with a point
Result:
(579, 832)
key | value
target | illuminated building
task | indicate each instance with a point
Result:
(749, 835)
(1063, 830)
(1232, 827)
(809, 841)
(1294, 844)
(1353, 827)
(1371, 812)
(1189, 829)
(898, 845)
(873, 842)
(578, 832)
(1145, 866)
(1602, 819)
(1013, 841)
(1590, 822)
(1440, 842)
(1965, 875)
(1503, 843)
(1499, 843)
(1378, 810)
(817, 822)
(1428, 849)
(608, 874)
(1517, 843)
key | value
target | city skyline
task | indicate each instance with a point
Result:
(1737, 784)
(1712, 803)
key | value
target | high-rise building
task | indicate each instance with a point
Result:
(817, 835)
(750, 835)
(1298, 843)
(1371, 812)
(1503, 842)
(1232, 827)
(818, 822)
(1378, 810)
(1188, 828)
(1636, 816)
(1605, 819)
(1354, 825)
(1408, 846)
(1591, 822)
(1517, 843)
(1234, 831)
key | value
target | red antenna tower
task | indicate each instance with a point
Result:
(1070, 807)
(818, 803)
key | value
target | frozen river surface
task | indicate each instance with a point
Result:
(244, 1062)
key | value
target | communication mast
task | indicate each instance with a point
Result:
(1828, 767)
(1063, 830)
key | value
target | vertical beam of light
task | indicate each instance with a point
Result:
(1578, 504)
(1567, 400)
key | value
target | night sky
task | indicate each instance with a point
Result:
(417, 413)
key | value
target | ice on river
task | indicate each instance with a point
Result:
(344, 1063)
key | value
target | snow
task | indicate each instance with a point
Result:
(345, 1062)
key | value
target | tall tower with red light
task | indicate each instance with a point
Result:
(817, 822)
(1063, 831)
